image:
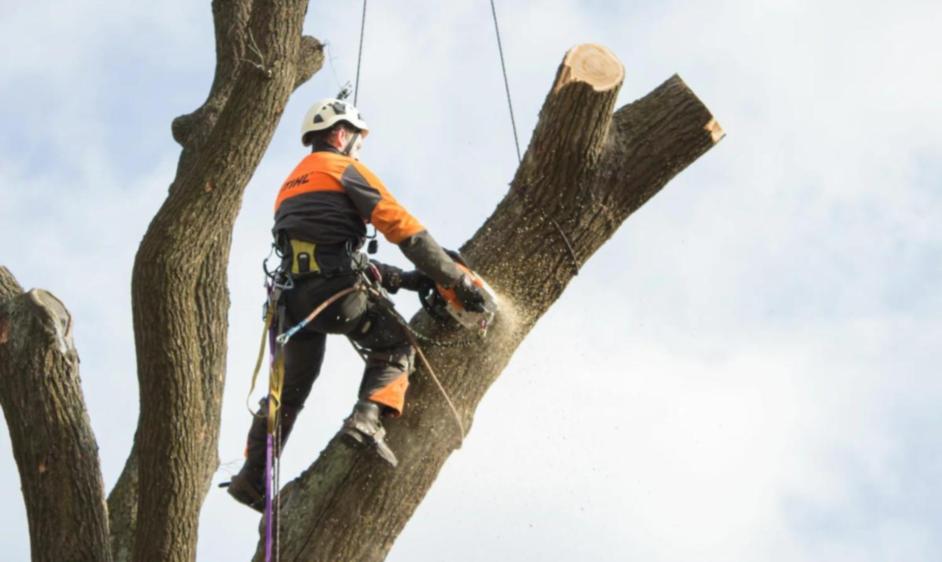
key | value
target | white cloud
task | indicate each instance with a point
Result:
(761, 386)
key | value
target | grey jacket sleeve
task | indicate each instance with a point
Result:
(431, 259)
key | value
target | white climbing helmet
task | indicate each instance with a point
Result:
(325, 113)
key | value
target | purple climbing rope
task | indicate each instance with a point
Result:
(269, 458)
(268, 510)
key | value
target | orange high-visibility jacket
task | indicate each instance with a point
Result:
(329, 198)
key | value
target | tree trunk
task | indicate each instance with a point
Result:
(179, 286)
(585, 171)
(52, 438)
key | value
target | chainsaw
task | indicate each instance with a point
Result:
(442, 303)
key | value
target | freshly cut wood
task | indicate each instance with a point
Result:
(593, 64)
(716, 131)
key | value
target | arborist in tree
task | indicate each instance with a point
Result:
(321, 214)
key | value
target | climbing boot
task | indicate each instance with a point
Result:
(363, 426)
(248, 487)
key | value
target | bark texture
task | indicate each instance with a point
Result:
(179, 286)
(585, 171)
(55, 449)
(122, 511)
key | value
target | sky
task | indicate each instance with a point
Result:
(748, 370)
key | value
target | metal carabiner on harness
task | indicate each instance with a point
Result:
(278, 278)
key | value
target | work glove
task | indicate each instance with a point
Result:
(390, 276)
(414, 280)
(469, 295)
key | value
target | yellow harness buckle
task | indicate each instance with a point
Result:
(303, 259)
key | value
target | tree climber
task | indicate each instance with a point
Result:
(321, 213)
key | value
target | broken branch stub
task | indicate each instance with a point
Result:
(50, 432)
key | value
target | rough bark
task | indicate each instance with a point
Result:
(180, 298)
(585, 171)
(122, 511)
(55, 449)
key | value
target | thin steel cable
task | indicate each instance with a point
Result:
(333, 69)
(503, 68)
(356, 87)
(513, 124)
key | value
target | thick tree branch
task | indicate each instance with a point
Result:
(583, 174)
(179, 279)
(52, 439)
(230, 20)
(9, 287)
(310, 60)
(237, 46)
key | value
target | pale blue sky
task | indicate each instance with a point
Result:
(747, 371)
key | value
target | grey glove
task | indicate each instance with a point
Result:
(469, 295)
(390, 275)
(394, 278)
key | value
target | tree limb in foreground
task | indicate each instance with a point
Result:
(53, 443)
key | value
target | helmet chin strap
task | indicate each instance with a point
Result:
(351, 144)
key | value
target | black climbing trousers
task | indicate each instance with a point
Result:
(371, 326)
